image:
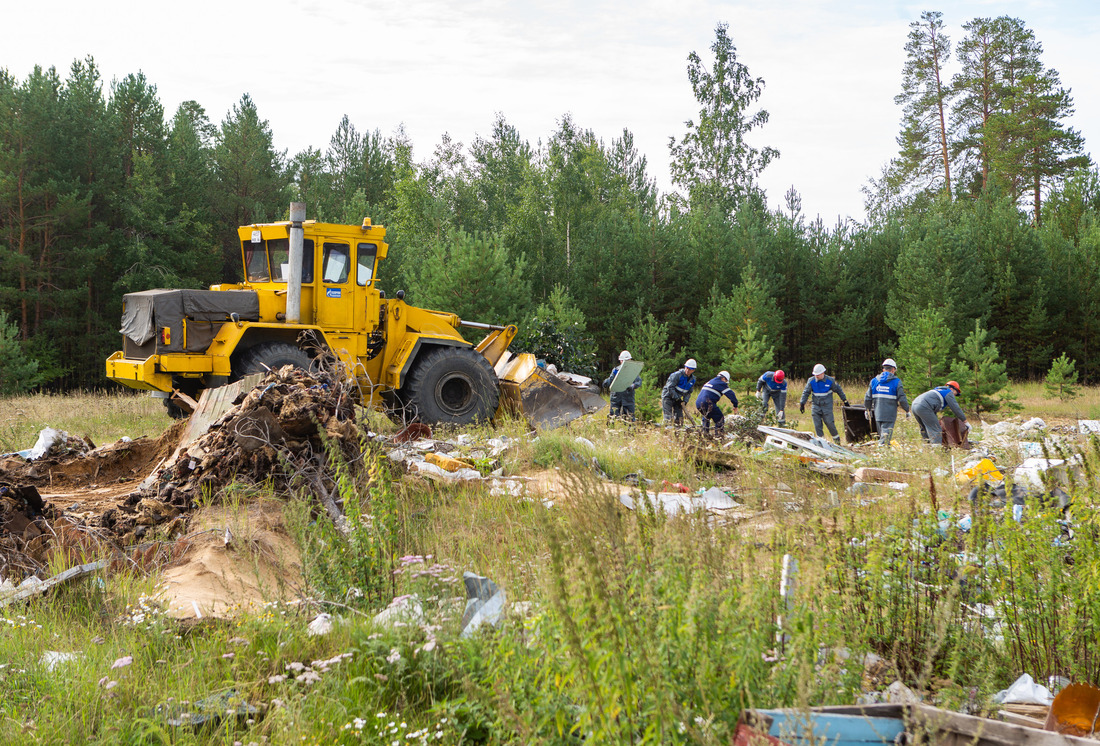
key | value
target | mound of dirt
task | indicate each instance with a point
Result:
(231, 560)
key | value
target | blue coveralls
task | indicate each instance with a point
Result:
(821, 410)
(622, 402)
(707, 403)
(886, 393)
(674, 394)
(773, 391)
(926, 409)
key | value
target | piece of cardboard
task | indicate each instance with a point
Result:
(628, 371)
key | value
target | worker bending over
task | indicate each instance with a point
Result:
(707, 402)
(773, 387)
(675, 393)
(927, 406)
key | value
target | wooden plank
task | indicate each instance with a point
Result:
(212, 404)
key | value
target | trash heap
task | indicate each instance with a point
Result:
(278, 430)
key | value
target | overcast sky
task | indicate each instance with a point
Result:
(831, 68)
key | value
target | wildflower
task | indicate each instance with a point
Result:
(394, 656)
(123, 661)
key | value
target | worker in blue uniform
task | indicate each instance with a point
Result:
(707, 402)
(772, 386)
(675, 393)
(927, 407)
(622, 402)
(885, 394)
(822, 387)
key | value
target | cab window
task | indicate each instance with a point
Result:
(275, 253)
(279, 251)
(336, 262)
(366, 253)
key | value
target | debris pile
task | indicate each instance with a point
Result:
(277, 430)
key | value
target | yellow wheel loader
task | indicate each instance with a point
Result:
(310, 290)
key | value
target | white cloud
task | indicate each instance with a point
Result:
(831, 68)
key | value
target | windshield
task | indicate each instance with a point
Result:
(268, 261)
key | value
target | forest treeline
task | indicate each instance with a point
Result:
(988, 216)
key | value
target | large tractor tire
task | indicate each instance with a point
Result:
(450, 385)
(269, 355)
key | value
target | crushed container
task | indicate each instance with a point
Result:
(856, 425)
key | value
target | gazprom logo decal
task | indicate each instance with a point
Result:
(332, 292)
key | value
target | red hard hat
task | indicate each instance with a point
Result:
(779, 376)
(955, 385)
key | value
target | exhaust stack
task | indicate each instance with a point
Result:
(294, 277)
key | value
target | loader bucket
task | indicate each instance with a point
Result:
(541, 398)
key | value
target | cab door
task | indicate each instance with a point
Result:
(366, 297)
(335, 294)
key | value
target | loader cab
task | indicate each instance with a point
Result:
(339, 268)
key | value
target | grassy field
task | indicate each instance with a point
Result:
(625, 627)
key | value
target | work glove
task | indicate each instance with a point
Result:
(906, 415)
(802, 408)
(846, 404)
(867, 414)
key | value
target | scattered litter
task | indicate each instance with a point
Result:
(446, 462)
(51, 659)
(1005, 428)
(512, 487)
(870, 474)
(984, 469)
(484, 603)
(678, 502)
(228, 703)
(585, 442)
(1035, 423)
(402, 612)
(32, 586)
(1024, 690)
(1075, 711)
(1031, 449)
(321, 625)
(439, 474)
(794, 440)
(899, 486)
(1030, 472)
(1088, 427)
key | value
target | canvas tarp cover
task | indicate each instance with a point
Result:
(149, 310)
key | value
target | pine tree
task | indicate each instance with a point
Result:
(250, 184)
(923, 350)
(751, 356)
(471, 275)
(722, 320)
(648, 342)
(981, 373)
(19, 372)
(923, 164)
(1061, 381)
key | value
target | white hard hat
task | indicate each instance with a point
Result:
(725, 374)
(691, 363)
(624, 356)
(889, 363)
(819, 369)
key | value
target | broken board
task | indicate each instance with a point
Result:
(211, 405)
(626, 376)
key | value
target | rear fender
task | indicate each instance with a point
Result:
(409, 352)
